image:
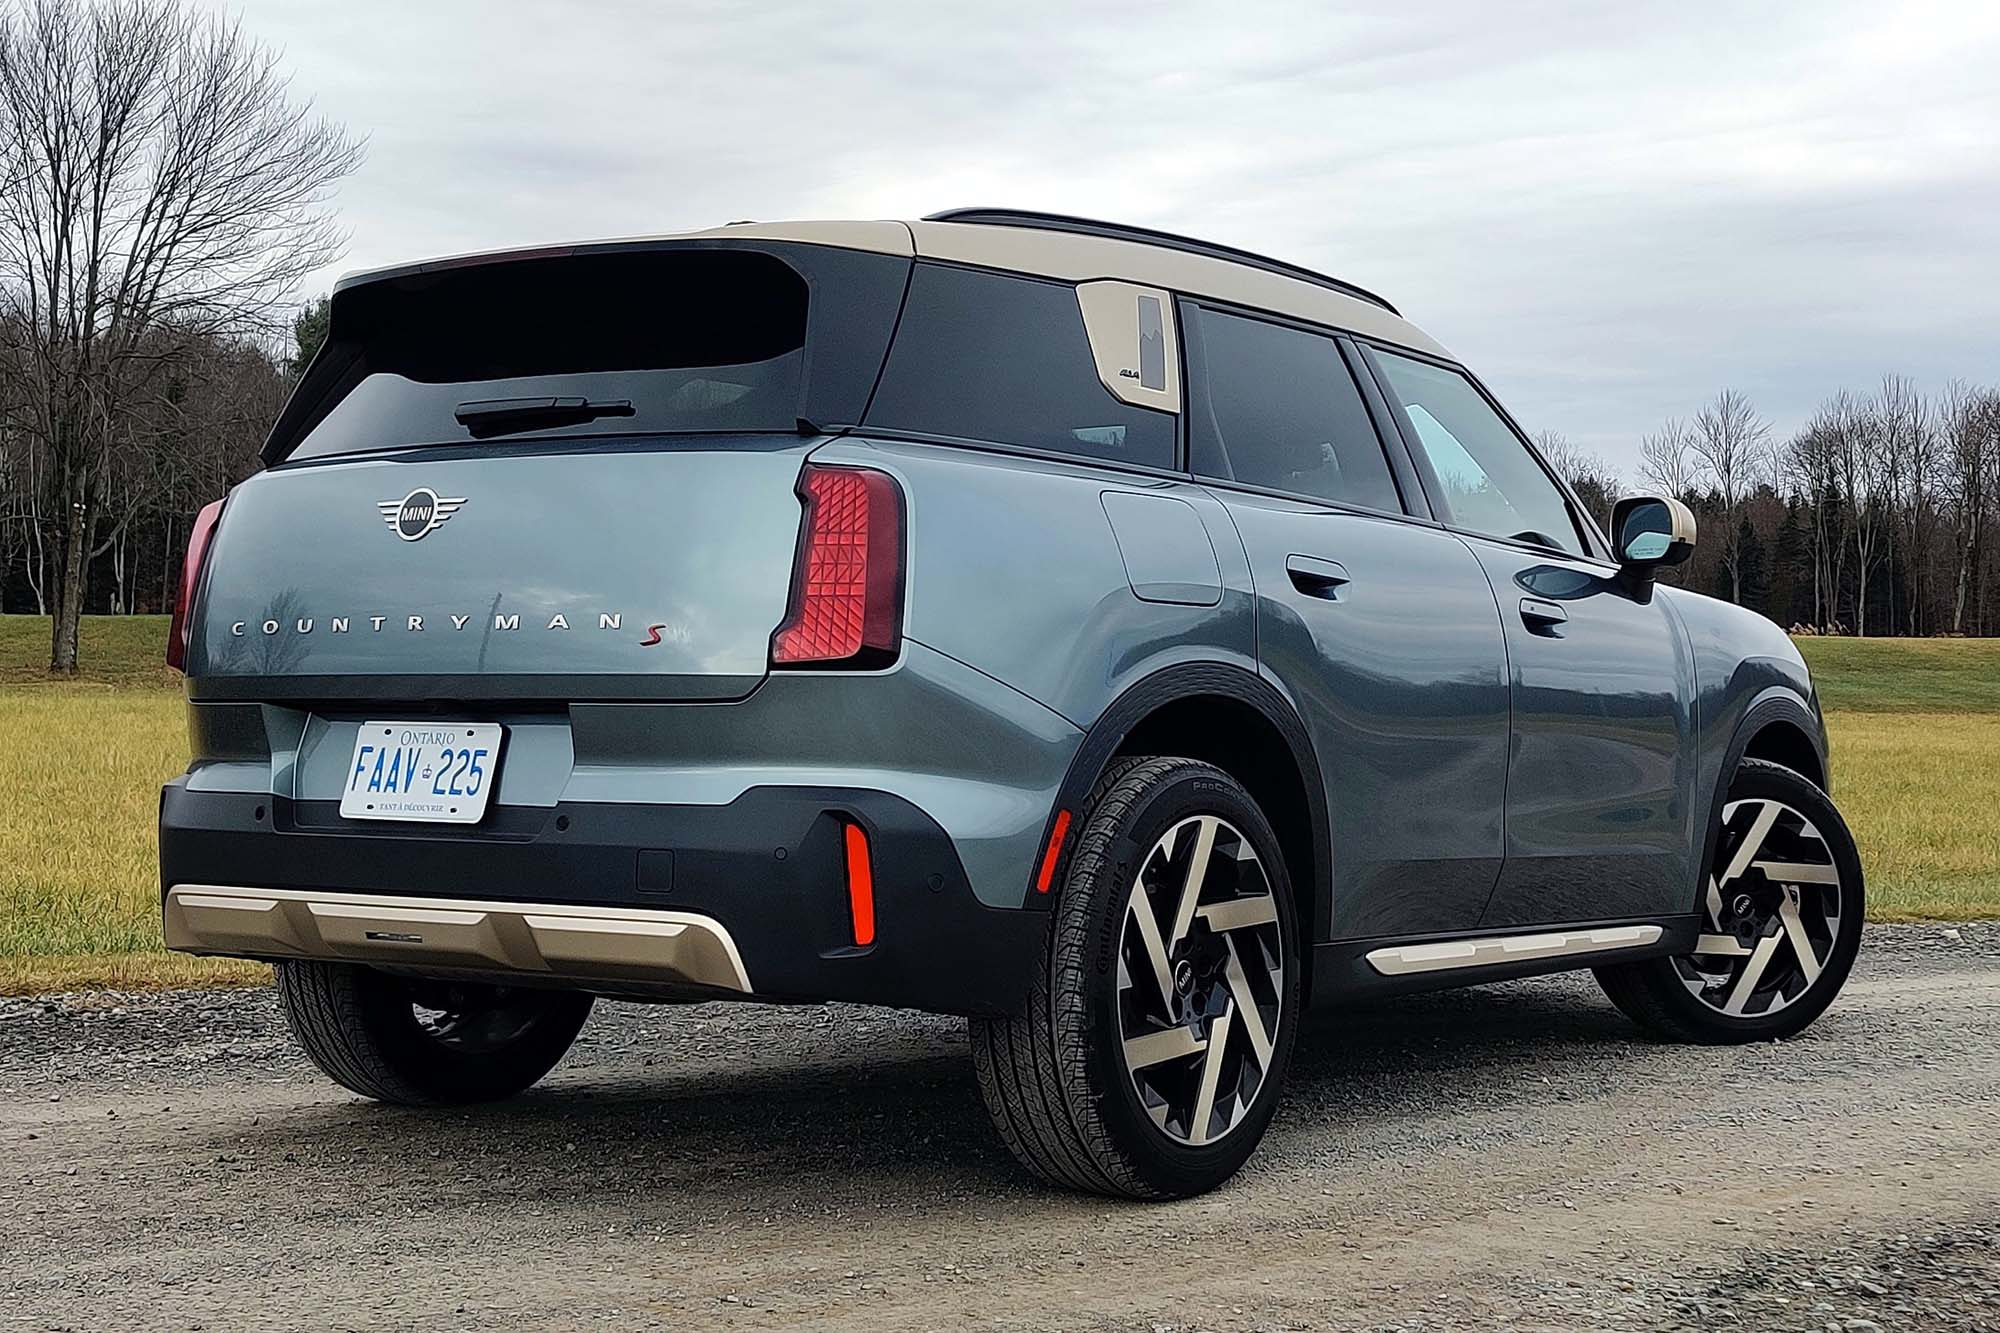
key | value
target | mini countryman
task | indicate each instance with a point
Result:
(1126, 642)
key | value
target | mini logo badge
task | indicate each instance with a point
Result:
(417, 513)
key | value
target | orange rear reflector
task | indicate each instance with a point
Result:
(1047, 874)
(860, 886)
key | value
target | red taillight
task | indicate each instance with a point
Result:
(847, 588)
(860, 886)
(197, 551)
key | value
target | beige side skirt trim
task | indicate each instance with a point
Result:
(553, 939)
(1450, 955)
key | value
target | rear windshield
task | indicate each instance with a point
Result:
(694, 339)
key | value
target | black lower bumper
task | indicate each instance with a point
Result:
(769, 867)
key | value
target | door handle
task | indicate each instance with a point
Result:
(1316, 577)
(1543, 617)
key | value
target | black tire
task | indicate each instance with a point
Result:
(362, 1027)
(1056, 1080)
(1655, 993)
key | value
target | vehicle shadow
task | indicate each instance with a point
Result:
(883, 1113)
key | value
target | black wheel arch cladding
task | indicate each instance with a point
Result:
(1224, 687)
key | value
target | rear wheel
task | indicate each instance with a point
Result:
(1781, 921)
(422, 1042)
(1150, 1060)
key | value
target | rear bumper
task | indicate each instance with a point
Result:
(747, 899)
(559, 941)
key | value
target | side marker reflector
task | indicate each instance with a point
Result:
(1047, 875)
(860, 886)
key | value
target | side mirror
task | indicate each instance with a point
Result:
(1650, 532)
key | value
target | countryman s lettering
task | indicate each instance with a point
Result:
(1126, 642)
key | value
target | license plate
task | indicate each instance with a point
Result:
(436, 772)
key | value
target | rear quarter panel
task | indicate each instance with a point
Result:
(1014, 570)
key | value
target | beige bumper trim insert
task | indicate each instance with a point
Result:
(555, 939)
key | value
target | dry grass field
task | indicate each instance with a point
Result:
(1916, 750)
(1915, 729)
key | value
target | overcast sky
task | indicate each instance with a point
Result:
(1608, 210)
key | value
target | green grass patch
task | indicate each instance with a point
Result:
(1905, 675)
(1915, 726)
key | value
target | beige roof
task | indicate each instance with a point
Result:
(1070, 256)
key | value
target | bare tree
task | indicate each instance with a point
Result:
(1667, 460)
(1595, 481)
(1970, 422)
(1858, 466)
(1907, 440)
(1811, 468)
(162, 187)
(1730, 439)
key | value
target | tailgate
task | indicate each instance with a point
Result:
(640, 569)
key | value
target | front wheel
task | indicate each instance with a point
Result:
(423, 1042)
(1158, 1033)
(1781, 921)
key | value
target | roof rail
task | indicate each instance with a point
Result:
(1119, 231)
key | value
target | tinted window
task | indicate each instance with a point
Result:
(1283, 412)
(695, 339)
(1492, 484)
(984, 356)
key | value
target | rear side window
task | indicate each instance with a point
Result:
(1282, 412)
(986, 356)
(1492, 484)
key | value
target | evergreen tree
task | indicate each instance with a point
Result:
(1791, 570)
(1753, 574)
(309, 332)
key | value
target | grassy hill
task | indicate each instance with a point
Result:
(1915, 727)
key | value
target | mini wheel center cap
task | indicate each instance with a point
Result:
(1183, 977)
(1743, 905)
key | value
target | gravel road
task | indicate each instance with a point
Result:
(1512, 1156)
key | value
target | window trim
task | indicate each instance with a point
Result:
(1195, 392)
(1416, 497)
(1596, 550)
(901, 436)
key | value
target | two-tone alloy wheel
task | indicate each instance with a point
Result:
(1156, 1042)
(1780, 921)
(1201, 979)
(1771, 912)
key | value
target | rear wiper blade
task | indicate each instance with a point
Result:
(500, 416)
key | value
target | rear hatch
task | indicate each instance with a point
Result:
(553, 476)
(650, 570)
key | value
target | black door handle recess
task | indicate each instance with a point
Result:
(1542, 617)
(1316, 577)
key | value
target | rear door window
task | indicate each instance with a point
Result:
(1491, 483)
(1276, 408)
(991, 357)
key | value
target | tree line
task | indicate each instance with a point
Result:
(1881, 516)
(192, 435)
